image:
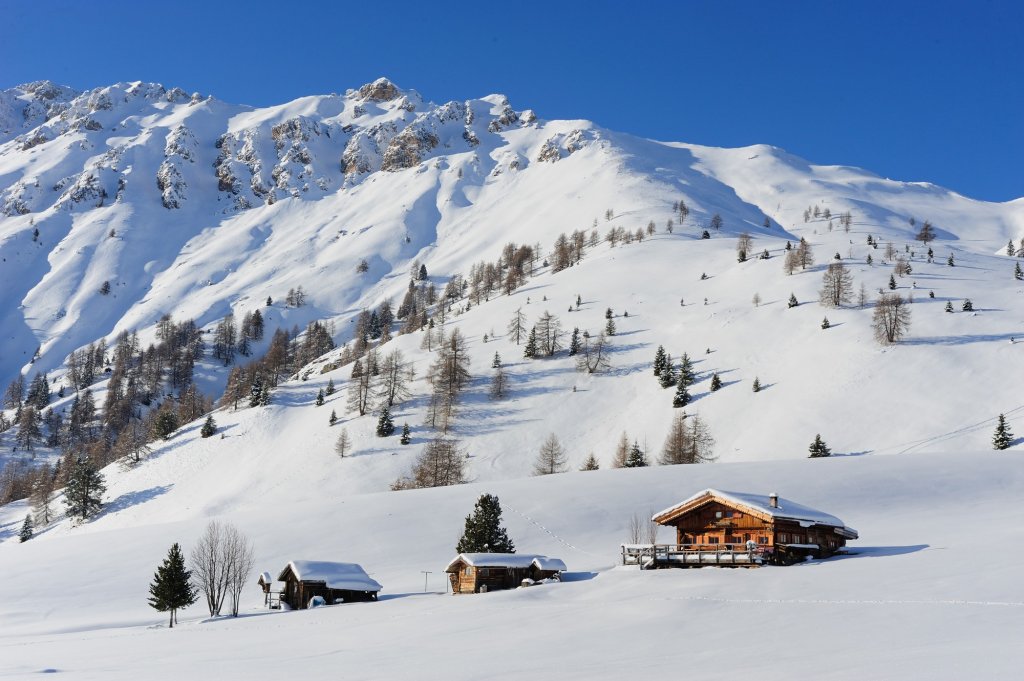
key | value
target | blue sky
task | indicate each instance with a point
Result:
(929, 91)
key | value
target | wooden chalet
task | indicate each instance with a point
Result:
(732, 528)
(480, 572)
(334, 582)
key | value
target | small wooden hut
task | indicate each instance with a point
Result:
(334, 582)
(272, 590)
(481, 572)
(738, 528)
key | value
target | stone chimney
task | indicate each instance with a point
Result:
(773, 498)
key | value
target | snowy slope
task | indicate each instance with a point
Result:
(930, 590)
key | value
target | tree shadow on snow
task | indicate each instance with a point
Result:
(129, 499)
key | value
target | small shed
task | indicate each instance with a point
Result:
(272, 590)
(334, 582)
(479, 572)
(766, 527)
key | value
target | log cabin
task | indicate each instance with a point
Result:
(272, 590)
(481, 572)
(334, 582)
(738, 528)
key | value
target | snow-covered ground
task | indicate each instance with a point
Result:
(298, 194)
(930, 591)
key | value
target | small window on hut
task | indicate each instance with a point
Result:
(712, 540)
(762, 540)
(783, 537)
(484, 572)
(718, 514)
(469, 570)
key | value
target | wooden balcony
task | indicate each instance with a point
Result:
(652, 556)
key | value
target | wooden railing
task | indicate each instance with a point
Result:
(653, 555)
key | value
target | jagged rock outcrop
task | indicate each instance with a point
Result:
(380, 90)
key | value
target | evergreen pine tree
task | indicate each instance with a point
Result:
(668, 376)
(83, 495)
(574, 341)
(1003, 438)
(682, 397)
(483, 532)
(818, 448)
(716, 382)
(330, 387)
(1018, 273)
(590, 464)
(949, 306)
(530, 351)
(385, 427)
(792, 301)
(968, 306)
(892, 283)
(950, 261)
(334, 417)
(172, 588)
(636, 458)
(659, 360)
(686, 373)
(825, 323)
(609, 328)
(756, 387)
(320, 398)
(496, 362)
(256, 391)
(27, 531)
(608, 313)
(406, 437)
(209, 427)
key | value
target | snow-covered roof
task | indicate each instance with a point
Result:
(508, 560)
(762, 503)
(348, 576)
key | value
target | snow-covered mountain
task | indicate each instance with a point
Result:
(127, 203)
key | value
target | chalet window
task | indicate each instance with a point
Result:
(712, 540)
(762, 540)
(484, 572)
(783, 537)
(718, 514)
(469, 570)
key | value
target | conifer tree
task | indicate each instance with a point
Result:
(406, 436)
(574, 341)
(825, 323)
(968, 306)
(496, 362)
(949, 306)
(27, 531)
(330, 387)
(792, 301)
(83, 495)
(256, 391)
(818, 448)
(686, 373)
(590, 464)
(343, 444)
(668, 376)
(682, 397)
(1018, 273)
(892, 283)
(636, 458)
(385, 426)
(483, 532)
(950, 261)
(530, 351)
(209, 427)
(172, 588)
(756, 386)
(609, 328)
(1003, 438)
(320, 398)
(716, 382)
(659, 360)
